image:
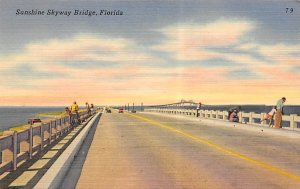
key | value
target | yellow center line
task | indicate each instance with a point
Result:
(208, 143)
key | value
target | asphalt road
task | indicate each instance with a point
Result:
(153, 151)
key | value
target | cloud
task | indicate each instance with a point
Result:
(86, 47)
(216, 61)
(242, 74)
(228, 43)
(77, 55)
(190, 41)
(82, 47)
(282, 53)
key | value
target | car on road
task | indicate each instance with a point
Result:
(34, 120)
(121, 110)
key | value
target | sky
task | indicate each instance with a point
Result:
(157, 52)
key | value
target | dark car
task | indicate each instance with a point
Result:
(121, 110)
(108, 110)
(34, 120)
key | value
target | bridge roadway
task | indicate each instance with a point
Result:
(146, 150)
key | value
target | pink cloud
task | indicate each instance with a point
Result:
(188, 41)
(140, 77)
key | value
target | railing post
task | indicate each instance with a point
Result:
(206, 114)
(42, 136)
(30, 142)
(293, 124)
(50, 132)
(240, 117)
(15, 150)
(61, 126)
(53, 126)
(62, 123)
(262, 116)
(69, 119)
(194, 112)
(251, 117)
(58, 126)
(224, 115)
(65, 123)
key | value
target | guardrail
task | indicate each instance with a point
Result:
(245, 117)
(19, 146)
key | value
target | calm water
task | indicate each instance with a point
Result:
(14, 116)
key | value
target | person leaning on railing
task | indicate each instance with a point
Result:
(270, 115)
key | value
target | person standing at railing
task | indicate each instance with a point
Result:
(92, 108)
(74, 110)
(279, 112)
(198, 109)
(88, 109)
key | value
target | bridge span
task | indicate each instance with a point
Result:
(150, 150)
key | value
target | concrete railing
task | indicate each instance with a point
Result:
(19, 146)
(245, 117)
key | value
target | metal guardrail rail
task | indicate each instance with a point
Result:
(18, 146)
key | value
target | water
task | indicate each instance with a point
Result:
(14, 116)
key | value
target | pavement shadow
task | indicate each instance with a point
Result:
(72, 176)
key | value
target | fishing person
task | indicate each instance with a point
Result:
(75, 110)
(279, 112)
(198, 109)
(270, 116)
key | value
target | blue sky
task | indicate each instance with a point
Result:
(143, 18)
(159, 42)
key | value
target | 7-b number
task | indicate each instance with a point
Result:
(289, 10)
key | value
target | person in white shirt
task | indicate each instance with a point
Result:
(198, 109)
(279, 112)
(270, 116)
